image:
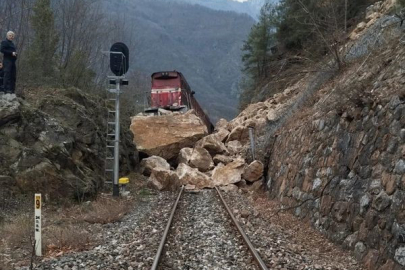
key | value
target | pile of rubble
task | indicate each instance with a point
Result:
(215, 160)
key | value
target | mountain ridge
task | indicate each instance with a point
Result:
(202, 43)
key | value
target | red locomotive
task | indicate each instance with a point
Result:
(171, 91)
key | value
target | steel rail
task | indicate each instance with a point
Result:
(166, 232)
(252, 249)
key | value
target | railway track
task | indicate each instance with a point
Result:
(200, 234)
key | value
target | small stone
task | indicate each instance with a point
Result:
(400, 167)
(400, 255)
(382, 201)
(359, 250)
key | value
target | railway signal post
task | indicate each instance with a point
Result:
(119, 64)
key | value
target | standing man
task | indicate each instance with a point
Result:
(10, 56)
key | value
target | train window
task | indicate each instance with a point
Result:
(165, 75)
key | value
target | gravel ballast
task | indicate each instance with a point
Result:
(282, 248)
(129, 244)
(203, 237)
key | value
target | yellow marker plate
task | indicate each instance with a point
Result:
(123, 181)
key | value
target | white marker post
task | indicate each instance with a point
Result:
(38, 240)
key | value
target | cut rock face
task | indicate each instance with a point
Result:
(164, 136)
(254, 171)
(150, 163)
(201, 159)
(191, 176)
(228, 174)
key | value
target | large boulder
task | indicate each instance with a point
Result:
(224, 175)
(162, 179)
(201, 159)
(213, 145)
(254, 171)
(165, 135)
(192, 176)
(150, 163)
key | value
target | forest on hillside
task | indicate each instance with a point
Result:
(297, 37)
(60, 43)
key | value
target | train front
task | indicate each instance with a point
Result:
(166, 92)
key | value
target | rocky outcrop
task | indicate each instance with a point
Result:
(153, 162)
(53, 142)
(9, 109)
(191, 176)
(166, 135)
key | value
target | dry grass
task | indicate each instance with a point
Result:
(106, 210)
(18, 232)
(15, 235)
(67, 238)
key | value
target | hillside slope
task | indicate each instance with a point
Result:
(333, 145)
(251, 7)
(202, 43)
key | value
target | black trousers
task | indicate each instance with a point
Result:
(10, 75)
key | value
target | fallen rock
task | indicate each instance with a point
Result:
(213, 145)
(231, 173)
(239, 133)
(201, 159)
(192, 176)
(222, 159)
(222, 134)
(221, 124)
(254, 171)
(185, 155)
(162, 179)
(150, 163)
(256, 186)
(234, 147)
(165, 135)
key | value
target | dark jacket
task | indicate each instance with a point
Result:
(7, 48)
(1, 78)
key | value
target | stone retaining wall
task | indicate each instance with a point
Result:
(348, 172)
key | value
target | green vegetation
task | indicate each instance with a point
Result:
(296, 32)
(41, 54)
